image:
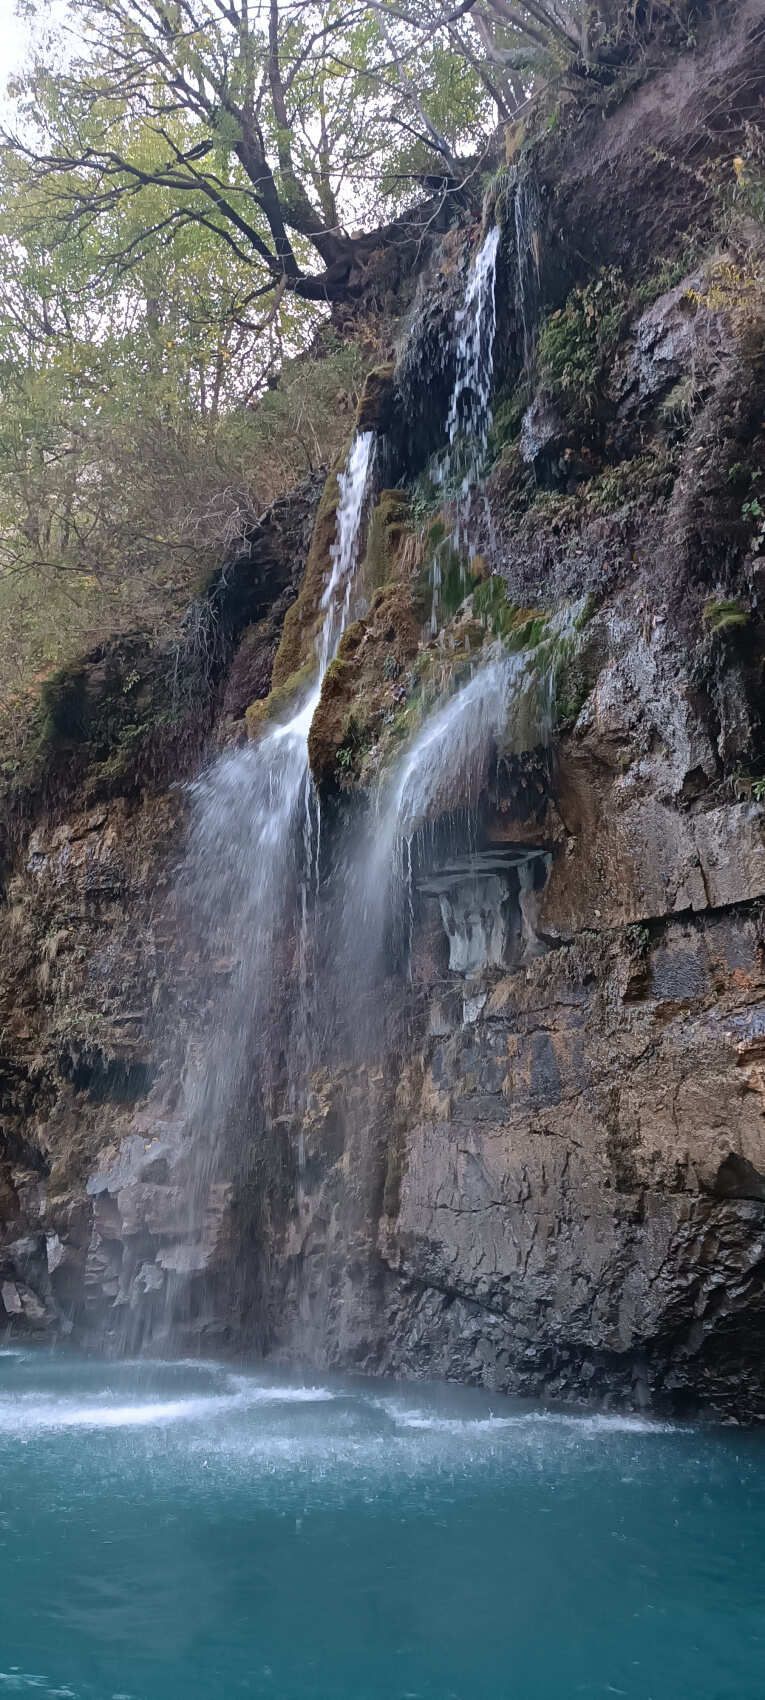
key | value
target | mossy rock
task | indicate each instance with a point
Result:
(723, 614)
(363, 686)
(303, 619)
(507, 420)
(519, 628)
(282, 702)
(342, 708)
(389, 526)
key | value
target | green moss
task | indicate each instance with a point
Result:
(666, 274)
(572, 680)
(722, 614)
(281, 702)
(388, 526)
(519, 628)
(498, 187)
(587, 611)
(303, 619)
(507, 420)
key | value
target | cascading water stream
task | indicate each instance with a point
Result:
(247, 862)
(468, 420)
(469, 417)
(526, 220)
(506, 703)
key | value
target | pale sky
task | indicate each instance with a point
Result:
(12, 40)
(15, 36)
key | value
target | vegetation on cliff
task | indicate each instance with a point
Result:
(188, 304)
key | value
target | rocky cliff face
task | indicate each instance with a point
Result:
(544, 1168)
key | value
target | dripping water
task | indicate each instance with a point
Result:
(526, 220)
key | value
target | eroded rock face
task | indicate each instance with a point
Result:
(566, 1184)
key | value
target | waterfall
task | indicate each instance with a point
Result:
(336, 600)
(249, 866)
(506, 705)
(469, 416)
(468, 419)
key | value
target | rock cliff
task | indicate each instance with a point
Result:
(539, 1162)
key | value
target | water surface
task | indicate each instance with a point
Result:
(187, 1532)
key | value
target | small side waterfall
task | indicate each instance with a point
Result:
(506, 705)
(526, 220)
(336, 600)
(468, 419)
(469, 416)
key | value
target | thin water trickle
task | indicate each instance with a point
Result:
(526, 219)
(468, 420)
(469, 416)
(336, 600)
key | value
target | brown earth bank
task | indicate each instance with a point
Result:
(542, 1167)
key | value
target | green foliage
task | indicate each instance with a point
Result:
(506, 421)
(723, 614)
(753, 513)
(350, 753)
(665, 275)
(132, 457)
(629, 481)
(749, 173)
(576, 342)
(426, 500)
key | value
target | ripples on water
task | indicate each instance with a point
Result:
(188, 1532)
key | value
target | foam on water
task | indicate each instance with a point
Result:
(26, 1415)
(584, 1424)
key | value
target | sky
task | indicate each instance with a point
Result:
(15, 37)
(12, 40)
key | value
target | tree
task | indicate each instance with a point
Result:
(131, 454)
(261, 122)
